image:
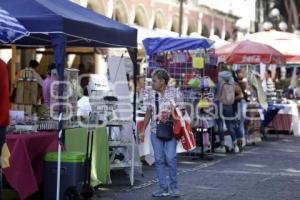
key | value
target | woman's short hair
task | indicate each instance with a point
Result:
(161, 74)
(85, 91)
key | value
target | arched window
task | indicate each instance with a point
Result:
(120, 13)
(217, 32)
(159, 20)
(97, 6)
(141, 18)
(205, 31)
(227, 35)
(175, 24)
(191, 28)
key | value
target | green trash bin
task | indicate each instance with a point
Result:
(71, 174)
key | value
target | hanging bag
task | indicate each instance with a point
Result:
(164, 130)
(197, 62)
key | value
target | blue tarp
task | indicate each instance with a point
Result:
(156, 45)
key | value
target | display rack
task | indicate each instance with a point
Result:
(116, 146)
(104, 108)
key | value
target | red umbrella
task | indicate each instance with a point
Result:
(248, 52)
(286, 43)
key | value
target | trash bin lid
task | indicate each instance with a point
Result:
(66, 156)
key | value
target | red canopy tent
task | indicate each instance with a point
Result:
(248, 52)
(286, 43)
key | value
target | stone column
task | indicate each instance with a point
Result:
(109, 8)
(132, 14)
(200, 17)
(223, 32)
(212, 27)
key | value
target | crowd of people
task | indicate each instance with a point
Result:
(234, 96)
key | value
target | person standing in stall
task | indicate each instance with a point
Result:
(160, 108)
(47, 86)
(33, 65)
(229, 93)
(240, 102)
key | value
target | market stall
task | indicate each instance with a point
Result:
(248, 53)
(63, 19)
(287, 44)
(284, 42)
(193, 70)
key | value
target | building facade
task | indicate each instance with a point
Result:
(164, 15)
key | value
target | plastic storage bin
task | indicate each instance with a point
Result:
(72, 173)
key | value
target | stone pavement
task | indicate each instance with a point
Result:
(269, 170)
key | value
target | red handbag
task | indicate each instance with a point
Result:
(183, 131)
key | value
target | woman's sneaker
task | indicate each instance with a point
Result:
(174, 192)
(220, 149)
(160, 193)
(236, 149)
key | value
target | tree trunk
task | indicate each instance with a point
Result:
(289, 13)
(294, 13)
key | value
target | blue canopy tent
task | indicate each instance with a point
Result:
(61, 23)
(156, 45)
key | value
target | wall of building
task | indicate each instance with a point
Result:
(164, 14)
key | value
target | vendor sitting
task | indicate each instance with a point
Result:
(83, 106)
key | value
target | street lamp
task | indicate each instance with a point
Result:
(181, 15)
(275, 21)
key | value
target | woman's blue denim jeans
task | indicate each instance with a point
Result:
(232, 122)
(243, 109)
(165, 150)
